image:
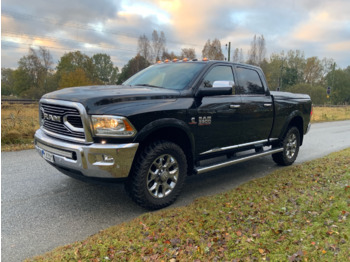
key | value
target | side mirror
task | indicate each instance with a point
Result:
(219, 88)
(217, 91)
(217, 84)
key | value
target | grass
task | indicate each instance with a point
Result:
(18, 125)
(19, 122)
(326, 114)
(298, 213)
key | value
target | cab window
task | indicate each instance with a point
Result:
(249, 82)
(218, 73)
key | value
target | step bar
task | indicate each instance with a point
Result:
(204, 169)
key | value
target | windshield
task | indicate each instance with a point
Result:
(171, 76)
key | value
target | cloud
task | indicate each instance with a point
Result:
(65, 11)
(318, 27)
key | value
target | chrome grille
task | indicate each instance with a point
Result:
(57, 124)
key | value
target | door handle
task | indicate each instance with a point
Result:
(235, 106)
(267, 105)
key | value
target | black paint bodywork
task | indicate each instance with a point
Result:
(261, 117)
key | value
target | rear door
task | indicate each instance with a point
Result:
(257, 104)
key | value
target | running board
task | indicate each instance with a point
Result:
(204, 169)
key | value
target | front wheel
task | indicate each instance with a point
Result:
(291, 144)
(158, 175)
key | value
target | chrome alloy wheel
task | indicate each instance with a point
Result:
(162, 176)
(292, 144)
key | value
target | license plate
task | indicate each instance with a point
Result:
(48, 156)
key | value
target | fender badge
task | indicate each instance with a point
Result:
(193, 121)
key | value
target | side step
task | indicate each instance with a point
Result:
(204, 169)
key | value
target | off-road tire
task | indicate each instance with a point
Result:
(290, 144)
(158, 175)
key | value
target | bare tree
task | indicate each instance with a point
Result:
(257, 51)
(261, 48)
(158, 44)
(189, 53)
(144, 48)
(213, 50)
(238, 56)
(206, 49)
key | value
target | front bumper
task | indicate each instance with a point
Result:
(91, 160)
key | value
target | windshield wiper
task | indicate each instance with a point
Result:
(149, 85)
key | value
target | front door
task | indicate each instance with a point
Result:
(217, 119)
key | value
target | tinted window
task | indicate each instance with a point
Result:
(218, 73)
(249, 82)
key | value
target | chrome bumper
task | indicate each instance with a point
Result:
(93, 160)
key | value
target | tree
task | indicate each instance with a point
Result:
(316, 92)
(144, 48)
(257, 51)
(158, 44)
(72, 61)
(238, 56)
(261, 49)
(295, 60)
(339, 81)
(7, 81)
(134, 65)
(77, 77)
(213, 50)
(33, 73)
(189, 53)
(105, 70)
(170, 56)
(313, 70)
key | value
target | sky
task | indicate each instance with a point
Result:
(317, 27)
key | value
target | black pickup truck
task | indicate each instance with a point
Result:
(168, 121)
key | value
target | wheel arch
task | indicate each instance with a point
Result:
(173, 130)
(295, 119)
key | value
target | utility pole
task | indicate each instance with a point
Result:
(333, 75)
(229, 51)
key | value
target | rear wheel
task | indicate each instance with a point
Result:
(291, 144)
(158, 175)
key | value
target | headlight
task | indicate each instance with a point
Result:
(115, 126)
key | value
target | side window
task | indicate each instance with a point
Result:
(249, 82)
(218, 73)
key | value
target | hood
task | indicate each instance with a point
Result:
(94, 96)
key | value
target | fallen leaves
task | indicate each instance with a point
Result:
(296, 214)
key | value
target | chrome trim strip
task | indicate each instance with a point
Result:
(84, 118)
(201, 170)
(55, 150)
(219, 149)
(69, 125)
(63, 137)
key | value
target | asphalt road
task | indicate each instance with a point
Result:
(42, 208)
